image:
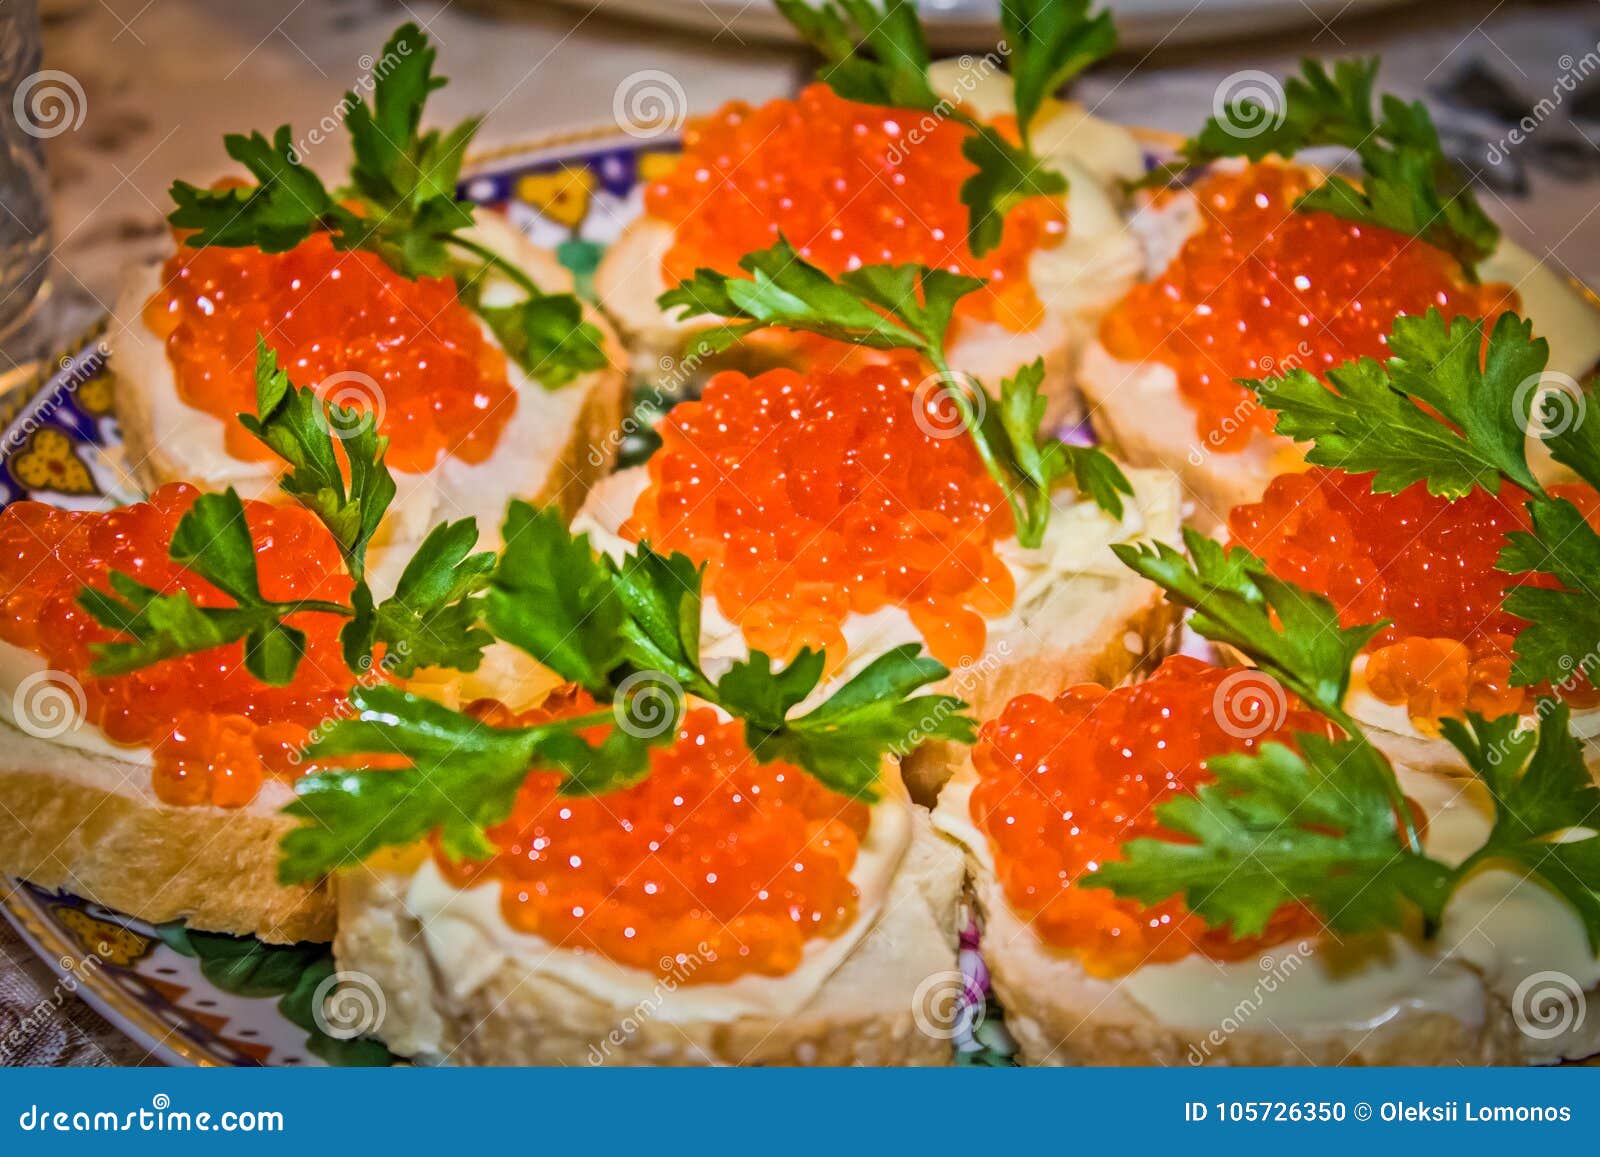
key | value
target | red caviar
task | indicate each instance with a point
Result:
(814, 497)
(345, 323)
(711, 867)
(1064, 783)
(1427, 563)
(217, 732)
(848, 185)
(1262, 289)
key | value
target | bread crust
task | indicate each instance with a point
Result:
(1060, 1024)
(106, 837)
(863, 1014)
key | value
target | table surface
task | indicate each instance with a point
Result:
(1515, 87)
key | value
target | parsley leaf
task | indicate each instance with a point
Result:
(552, 597)
(213, 540)
(460, 776)
(1409, 185)
(299, 427)
(1050, 42)
(1292, 634)
(432, 619)
(1373, 419)
(1315, 827)
(287, 204)
(1546, 804)
(1562, 637)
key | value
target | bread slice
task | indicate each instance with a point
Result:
(556, 445)
(1390, 1000)
(1136, 408)
(1076, 280)
(1087, 618)
(89, 823)
(871, 1009)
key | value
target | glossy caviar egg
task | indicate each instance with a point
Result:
(847, 185)
(1064, 783)
(1262, 289)
(1426, 563)
(217, 732)
(712, 867)
(345, 324)
(815, 496)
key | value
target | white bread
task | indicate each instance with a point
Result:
(90, 824)
(1092, 619)
(1136, 407)
(1076, 280)
(866, 1012)
(1388, 1001)
(556, 445)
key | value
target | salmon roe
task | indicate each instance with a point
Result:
(1262, 289)
(848, 185)
(711, 867)
(814, 497)
(1427, 563)
(217, 732)
(344, 323)
(1064, 783)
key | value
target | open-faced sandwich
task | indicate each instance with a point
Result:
(167, 663)
(1190, 870)
(657, 864)
(1262, 266)
(891, 159)
(444, 327)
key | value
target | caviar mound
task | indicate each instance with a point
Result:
(1262, 289)
(812, 497)
(1064, 783)
(1427, 564)
(345, 323)
(214, 748)
(712, 867)
(848, 185)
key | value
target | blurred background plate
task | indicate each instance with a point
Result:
(961, 23)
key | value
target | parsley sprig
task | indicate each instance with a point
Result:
(628, 632)
(400, 204)
(1408, 183)
(1451, 409)
(908, 307)
(343, 480)
(1326, 823)
(877, 54)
